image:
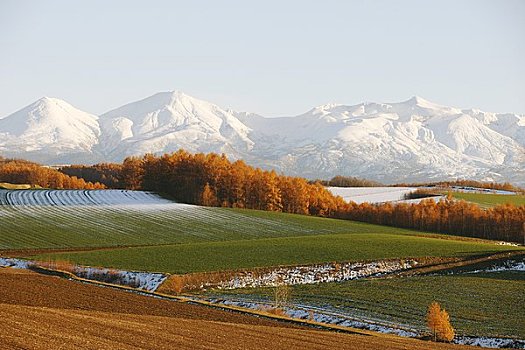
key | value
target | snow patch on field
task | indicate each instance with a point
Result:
(303, 312)
(43, 197)
(494, 343)
(310, 274)
(509, 265)
(136, 279)
(15, 263)
(509, 244)
(371, 194)
(328, 316)
(468, 189)
(141, 280)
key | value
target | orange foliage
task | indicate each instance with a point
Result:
(438, 322)
(504, 222)
(108, 174)
(59, 265)
(466, 183)
(24, 172)
(213, 180)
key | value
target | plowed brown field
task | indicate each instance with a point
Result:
(43, 312)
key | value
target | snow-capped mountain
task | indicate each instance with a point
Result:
(414, 140)
(168, 121)
(49, 130)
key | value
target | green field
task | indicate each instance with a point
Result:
(180, 238)
(94, 226)
(487, 200)
(215, 256)
(489, 304)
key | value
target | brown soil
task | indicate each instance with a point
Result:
(44, 312)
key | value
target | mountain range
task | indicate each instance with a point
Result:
(410, 141)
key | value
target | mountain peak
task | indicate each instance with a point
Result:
(49, 124)
(47, 100)
(162, 99)
(178, 94)
(170, 120)
(52, 105)
(418, 101)
(171, 94)
(430, 107)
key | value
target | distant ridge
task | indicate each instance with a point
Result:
(411, 141)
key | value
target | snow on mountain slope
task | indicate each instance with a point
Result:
(48, 128)
(168, 121)
(414, 140)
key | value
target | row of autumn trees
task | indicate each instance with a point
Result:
(505, 222)
(213, 180)
(466, 183)
(349, 181)
(18, 171)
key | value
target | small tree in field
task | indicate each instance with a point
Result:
(281, 295)
(438, 322)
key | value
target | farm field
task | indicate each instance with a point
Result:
(76, 314)
(33, 221)
(487, 200)
(140, 231)
(243, 254)
(480, 304)
(392, 194)
(154, 234)
(371, 194)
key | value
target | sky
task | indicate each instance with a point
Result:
(274, 58)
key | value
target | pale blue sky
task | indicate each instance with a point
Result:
(269, 57)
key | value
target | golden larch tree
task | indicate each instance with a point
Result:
(208, 197)
(438, 322)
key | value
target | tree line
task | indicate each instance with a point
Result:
(504, 222)
(108, 174)
(17, 171)
(213, 180)
(466, 183)
(348, 181)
